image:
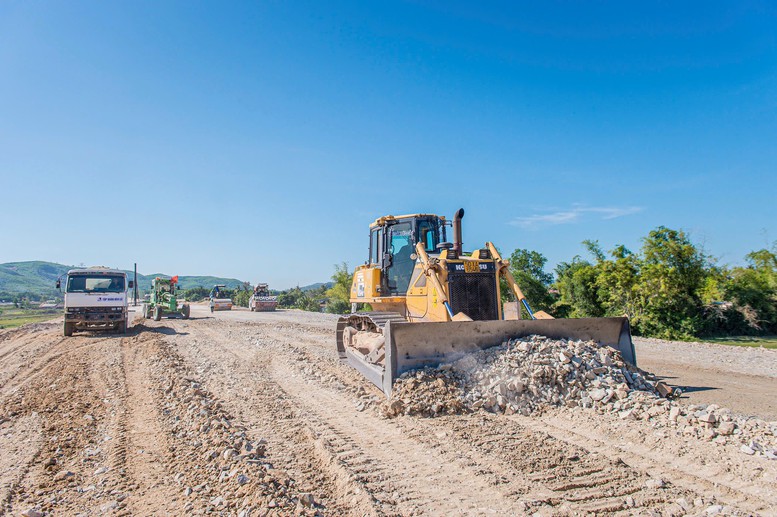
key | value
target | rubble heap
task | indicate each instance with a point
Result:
(525, 374)
(529, 374)
(521, 376)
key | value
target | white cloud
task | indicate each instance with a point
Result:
(574, 214)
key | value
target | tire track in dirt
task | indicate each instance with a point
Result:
(703, 481)
(63, 394)
(143, 450)
(21, 445)
(267, 411)
(28, 369)
(407, 475)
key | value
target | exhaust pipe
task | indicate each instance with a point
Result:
(458, 246)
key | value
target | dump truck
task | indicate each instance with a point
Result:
(218, 302)
(262, 300)
(432, 303)
(95, 299)
(165, 300)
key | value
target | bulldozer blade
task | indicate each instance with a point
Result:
(410, 346)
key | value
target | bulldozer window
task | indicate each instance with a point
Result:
(428, 234)
(376, 238)
(401, 269)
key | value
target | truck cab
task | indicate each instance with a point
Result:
(96, 299)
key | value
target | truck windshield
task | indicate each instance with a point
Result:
(95, 284)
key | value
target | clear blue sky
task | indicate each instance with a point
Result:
(258, 140)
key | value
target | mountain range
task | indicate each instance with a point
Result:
(38, 277)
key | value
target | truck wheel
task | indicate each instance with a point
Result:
(185, 312)
(157, 313)
(121, 328)
(69, 329)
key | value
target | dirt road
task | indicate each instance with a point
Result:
(252, 412)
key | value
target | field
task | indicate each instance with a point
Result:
(253, 413)
(11, 317)
(765, 342)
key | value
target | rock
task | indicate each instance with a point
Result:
(62, 475)
(187, 491)
(229, 453)
(756, 446)
(747, 450)
(684, 504)
(106, 508)
(307, 500)
(663, 389)
(713, 510)
(218, 501)
(726, 428)
(597, 394)
(655, 483)
(242, 479)
(101, 470)
(708, 418)
(33, 512)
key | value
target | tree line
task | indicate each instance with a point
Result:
(670, 288)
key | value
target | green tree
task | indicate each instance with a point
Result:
(673, 276)
(753, 291)
(617, 284)
(296, 298)
(528, 269)
(196, 294)
(241, 298)
(578, 294)
(339, 295)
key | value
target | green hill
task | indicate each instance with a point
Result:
(39, 278)
(34, 277)
(316, 286)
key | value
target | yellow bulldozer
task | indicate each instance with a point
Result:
(432, 303)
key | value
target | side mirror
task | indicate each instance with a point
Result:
(386, 260)
(59, 284)
(131, 284)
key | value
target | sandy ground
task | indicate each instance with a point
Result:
(253, 413)
(741, 378)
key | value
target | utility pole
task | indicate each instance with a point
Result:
(136, 284)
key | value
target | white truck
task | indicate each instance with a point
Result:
(96, 299)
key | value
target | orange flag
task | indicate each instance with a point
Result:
(174, 280)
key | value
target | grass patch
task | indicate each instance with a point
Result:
(12, 318)
(761, 341)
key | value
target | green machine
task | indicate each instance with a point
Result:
(165, 301)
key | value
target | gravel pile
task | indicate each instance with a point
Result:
(529, 374)
(521, 376)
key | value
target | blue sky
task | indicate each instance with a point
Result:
(258, 140)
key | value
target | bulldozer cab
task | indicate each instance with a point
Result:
(392, 247)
